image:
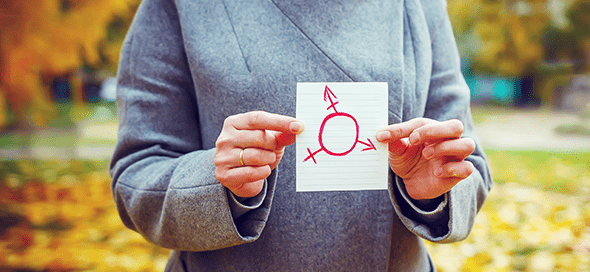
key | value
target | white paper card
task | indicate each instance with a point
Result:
(338, 151)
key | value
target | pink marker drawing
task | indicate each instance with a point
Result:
(330, 96)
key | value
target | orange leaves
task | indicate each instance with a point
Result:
(43, 36)
(3, 110)
(522, 228)
(62, 218)
(49, 37)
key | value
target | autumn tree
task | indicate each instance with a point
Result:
(572, 42)
(43, 39)
(503, 37)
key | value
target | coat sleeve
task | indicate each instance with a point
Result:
(450, 217)
(163, 180)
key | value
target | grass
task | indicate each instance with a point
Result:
(54, 138)
(536, 218)
(64, 131)
(562, 172)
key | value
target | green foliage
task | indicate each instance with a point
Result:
(562, 172)
(499, 37)
(579, 16)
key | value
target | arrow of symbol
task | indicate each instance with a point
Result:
(369, 145)
(328, 96)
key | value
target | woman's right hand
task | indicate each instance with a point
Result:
(249, 146)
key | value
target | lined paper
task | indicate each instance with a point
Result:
(338, 151)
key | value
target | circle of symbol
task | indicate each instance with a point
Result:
(330, 116)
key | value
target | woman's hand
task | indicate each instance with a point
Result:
(249, 146)
(428, 155)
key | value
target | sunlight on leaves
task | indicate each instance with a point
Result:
(59, 215)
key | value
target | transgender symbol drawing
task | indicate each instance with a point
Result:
(329, 96)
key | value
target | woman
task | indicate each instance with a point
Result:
(205, 165)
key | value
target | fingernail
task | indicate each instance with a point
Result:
(383, 136)
(414, 138)
(296, 127)
(428, 152)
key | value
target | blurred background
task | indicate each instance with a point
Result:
(527, 63)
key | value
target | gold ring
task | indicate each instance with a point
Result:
(242, 158)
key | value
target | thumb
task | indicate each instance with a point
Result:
(399, 147)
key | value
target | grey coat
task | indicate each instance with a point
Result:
(186, 65)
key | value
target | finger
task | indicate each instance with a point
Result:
(247, 138)
(250, 157)
(257, 157)
(249, 189)
(457, 148)
(398, 147)
(437, 131)
(265, 121)
(448, 175)
(402, 153)
(401, 130)
(455, 170)
(235, 177)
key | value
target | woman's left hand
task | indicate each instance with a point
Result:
(428, 155)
